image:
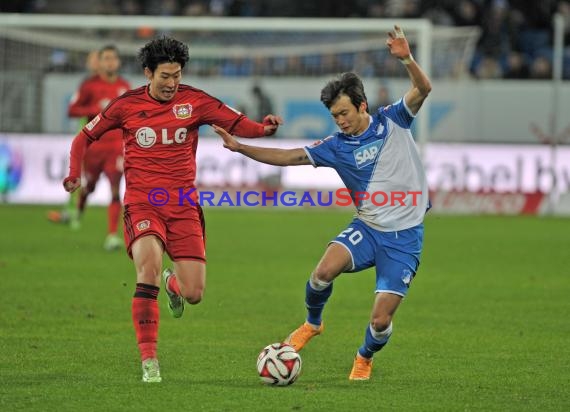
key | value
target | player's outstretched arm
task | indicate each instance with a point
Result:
(250, 129)
(72, 182)
(272, 156)
(242, 126)
(421, 85)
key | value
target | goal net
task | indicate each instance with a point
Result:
(42, 59)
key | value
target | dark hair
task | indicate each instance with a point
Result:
(163, 50)
(108, 47)
(345, 83)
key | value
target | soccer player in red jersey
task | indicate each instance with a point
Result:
(106, 156)
(69, 214)
(160, 124)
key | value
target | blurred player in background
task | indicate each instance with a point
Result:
(69, 214)
(372, 153)
(382, 97)
(160, 123)
(92, 63)
(261, 103)
(106, 156)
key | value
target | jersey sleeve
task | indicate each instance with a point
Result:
(399, 113)
(220, 114)
(108, 119)
(322, 153)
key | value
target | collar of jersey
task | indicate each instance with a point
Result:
(361, 135)
(147, 91)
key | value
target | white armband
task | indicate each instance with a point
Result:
(407, 60)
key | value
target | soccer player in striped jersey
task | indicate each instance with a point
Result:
(159, 123)
(373, 154)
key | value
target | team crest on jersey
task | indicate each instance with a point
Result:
(93, 122)
(380, 129)
(143, 225)
(182, 111)
(365, 155)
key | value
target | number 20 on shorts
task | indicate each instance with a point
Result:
(354, 236)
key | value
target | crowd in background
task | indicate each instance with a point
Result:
(516, 40)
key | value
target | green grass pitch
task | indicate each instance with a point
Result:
(485, 326)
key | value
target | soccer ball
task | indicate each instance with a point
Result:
(278, 364)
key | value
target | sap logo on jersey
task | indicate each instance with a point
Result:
(366, 154)
(146, 136)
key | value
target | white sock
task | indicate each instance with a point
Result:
(380, 335)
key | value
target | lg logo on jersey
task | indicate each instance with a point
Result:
(146, 137)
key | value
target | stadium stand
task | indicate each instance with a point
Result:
(516, 40)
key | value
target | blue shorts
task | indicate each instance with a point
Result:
(396, 255)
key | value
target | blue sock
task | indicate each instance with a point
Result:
(315, 302)
(373, 344)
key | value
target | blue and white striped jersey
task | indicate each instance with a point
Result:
(383, 162)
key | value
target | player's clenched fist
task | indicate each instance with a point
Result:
(271, 123)
(71, 184)
(398, 45)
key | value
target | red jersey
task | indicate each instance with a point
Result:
(93, 96)
(161, 138)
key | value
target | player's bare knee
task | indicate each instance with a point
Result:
(192, 295)
(324, 273)
(318, 284)
(381, 322)
(195, 297)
